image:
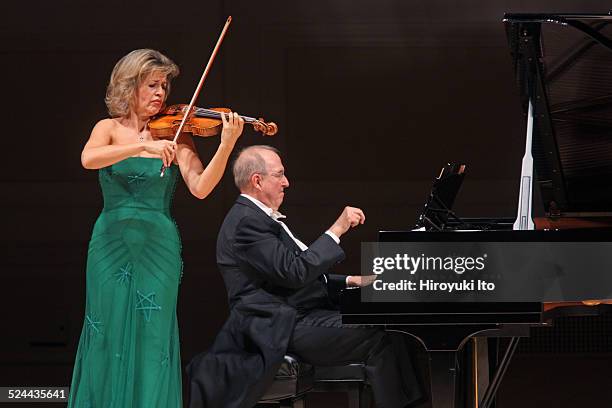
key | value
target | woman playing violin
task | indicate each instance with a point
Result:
(128, 354)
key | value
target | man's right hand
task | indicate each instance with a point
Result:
(350, 217)
(358, 281)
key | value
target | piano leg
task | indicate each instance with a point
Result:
(480, 359)
(443, 372)
(489, 396)
(444, 346)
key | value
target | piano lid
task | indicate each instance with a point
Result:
(563, 62)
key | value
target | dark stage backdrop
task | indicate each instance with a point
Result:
(371, 98)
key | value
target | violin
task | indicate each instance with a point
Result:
(200, 122)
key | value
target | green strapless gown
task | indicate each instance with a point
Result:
(128, 355)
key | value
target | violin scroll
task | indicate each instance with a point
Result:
(268, 129)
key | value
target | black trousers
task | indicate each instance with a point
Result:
(321, 339)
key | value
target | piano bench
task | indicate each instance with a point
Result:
(292, 381)
(349, 378)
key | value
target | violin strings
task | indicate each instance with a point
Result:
(217, 115)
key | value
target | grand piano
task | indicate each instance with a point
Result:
(563, 67)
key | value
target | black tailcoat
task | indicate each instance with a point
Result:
(269, 280)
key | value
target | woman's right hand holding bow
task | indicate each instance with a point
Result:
(165, 149)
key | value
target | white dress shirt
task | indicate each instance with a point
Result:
(277, 216)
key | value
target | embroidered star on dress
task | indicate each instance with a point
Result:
(165, 357)
(125, 273)
(146, 304)
(93, 325)
(136, 178)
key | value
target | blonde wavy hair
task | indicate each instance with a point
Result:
(129, 73)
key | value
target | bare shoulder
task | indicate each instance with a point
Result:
(103, 132)
(107, 125)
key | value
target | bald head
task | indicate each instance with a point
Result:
(259, 172)
(250, 160)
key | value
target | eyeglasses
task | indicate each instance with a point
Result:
(279, 174)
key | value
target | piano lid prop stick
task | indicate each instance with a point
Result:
(524, 219)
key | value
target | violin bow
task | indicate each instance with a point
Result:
(199, 87)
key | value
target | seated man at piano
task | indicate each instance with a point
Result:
(278, 290)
